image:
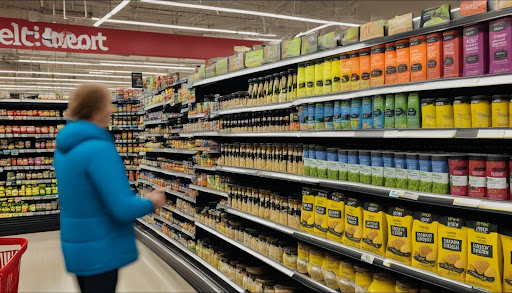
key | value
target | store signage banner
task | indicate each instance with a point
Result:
(23, 34)
(137, 80)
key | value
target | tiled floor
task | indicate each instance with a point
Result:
(42, 270)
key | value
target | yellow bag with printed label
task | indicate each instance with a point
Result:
(307, 215)
(375, 228)
(353, 222)
(399, 235)
(452, 248)
(335, 210)
(424, 241)
(506, 241)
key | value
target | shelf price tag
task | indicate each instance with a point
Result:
(367, 258)
(466, 202)
(387, 262)
(396, 193)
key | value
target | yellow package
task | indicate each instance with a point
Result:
(320, 228)
(452, 249)
(399, 235)
(307, 215)
(331, 271)
(424, 241)
(315, 264)
(374, 229)
(335, 210)
(506, 241)
(485, 260)
(353, 222)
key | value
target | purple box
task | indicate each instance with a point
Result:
(500, 45)
(475, 46)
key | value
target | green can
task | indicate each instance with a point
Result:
(389, 112)
(401, 110)
(413, 111)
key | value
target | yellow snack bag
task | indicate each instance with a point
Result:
(485, 260)
(353, 222)
(375, 229)
(307, 215)
(506, 241)
(399, 235)
(335, 210)
(320, 228)
(424, 241)
(452, 248)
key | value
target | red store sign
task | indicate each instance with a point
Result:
(23, 34)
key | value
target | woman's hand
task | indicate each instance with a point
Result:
(157, 197)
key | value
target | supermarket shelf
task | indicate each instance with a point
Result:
(469, 133)
(174, 226)
(128, 154)
(151, 134)
(172, 151)
(27, 151)
(172, 173)
(31, 118)
(234, 287)
(43, 197)
(127, 140)
(169, 191)
(154, 122)
(161, 104)
(500, 207)
(139, 113)
(177, 212)
(14, 168)
(28, 214)
(33, 101)
(26, 182)
(208, 190)
(28, 135)
(195, 116)
(290, 273)
(123, 128)
(127, 101)
(29, 224)
(197, 167)
(357, 253)
(339, 50)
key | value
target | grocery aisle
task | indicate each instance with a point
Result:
(42, 270)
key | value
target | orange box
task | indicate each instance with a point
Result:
(452, 53)
(434, 55)
(390, 64)
(418, 52)
(377, 65)
(355, 72)
(346, 69)
(402, 61)
(365, 68)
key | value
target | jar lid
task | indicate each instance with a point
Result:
(265, 281)
(320, 148)
(424, 157)
(290, 249)
(376, 153)
(364, 153)
(439, 157)
(383, 276)
(302, 65)
(497, 157)
(344, 152)
(461, 98)
(282, 73)
(319, 61)
(412, 156)
(241, 266)
(458, 157)
(290, 71)
(479, 97)
(353, 152)
(233, 262)
(477, 157)
(268, 77)
(400, 155)
(500, 97)
(250, 80)
(388, 154)
(257, 270)
(316, 251)
(443, 100)
(406, 284)
(309, 63)
(359, 268)
(260, 78)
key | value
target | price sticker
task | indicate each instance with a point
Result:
(396, 193)
(466, 202)
(387, 263)
(367, 258)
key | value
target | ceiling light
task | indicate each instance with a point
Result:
(54, 62)
(146, 66)
(61, 79)
(62, 73)
(248, 12)
(102, 64)
(111, 13)
(314, 30)
(36, 87)
(100, 71)
(263, 39)
(45, 83)
(190, 28)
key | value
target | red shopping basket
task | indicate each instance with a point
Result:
(10, 263)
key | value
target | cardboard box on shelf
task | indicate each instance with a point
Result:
(435, 15)
(290, 48)
(254, 58)
(210, 70)
(350, 36)
(372, 30)
(327, 41)
(236, 62)
(202, 71)
(272, 53)
(400, 24)
(221, 66)
(240, 49)
(309, 44)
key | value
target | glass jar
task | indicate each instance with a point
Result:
(480, 112)
(276, 251)
(262, 244)
(240, 273)
(266, 214)
(283, 215)
(294, 213)
(274, 202)
(364, 278)
(260, 283)
(224, 266)
(302, 258)
(382, 282)
(347, 276)
(405, 286)
(331, 271)
(315, 262)
(232, 269)
(290, 257)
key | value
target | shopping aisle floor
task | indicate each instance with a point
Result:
(42, 270)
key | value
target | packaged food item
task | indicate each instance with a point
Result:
(307, 215)
(461, 112)
(453, 248)
(444, 113)
(346, 72)
(331, 271)
(327, 41)
(336, 74)
(365, 167)
(403, 61)
(377, 168)
(319, 117)
(400, 170)
(428, 113)
(301, 80)
(367, 113)
(477, 185)
(425, 173)
(459, 171)
(390, 64)
(452, 53)
(400, 24)
(500, 111)
(440, 174)
(355, 72)
(485, 259)
(475, 50)
(290, 48)
(315, 262)
(346, 111)
(374, 229)
(424, 244)
(353, 165)
(434, 56)
(332, 163)
(347, 276)
(382, 282)
(343, 165)
(319, 77)
(276, 92)
(321, 162)
(350, 36)
(321, 218)
(506, 241)
(399, 245)
(310, 78)
(365, 68)
(363, 279)
(353, 222)
(510, 112)
(389, 169)
(497, 181)
(335, 212)
(480, 112)
(418, 55)
(309, 44)
(378, 111)
(401, 110)
(355, 114)
(468, 8)
(327, 76)
(328, 116)
(337, 115)
(313, 164)
(500, 45)
(372, 30)
(389, 113)
(377, 65)
(435, 15)
(413, 171)
(413, 111)
(302, 258)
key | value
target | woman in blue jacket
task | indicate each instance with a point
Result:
(97, 205)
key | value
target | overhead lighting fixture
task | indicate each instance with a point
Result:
(101, 71)
(36, 87)
(263, 39)
(190, 28)
(247, 12)
(61, 79)
(63, 74)
(11, 83)
(146, 66)
(112, 13)
(102, 64)
(314, 30)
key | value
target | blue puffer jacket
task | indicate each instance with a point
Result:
(97, 205)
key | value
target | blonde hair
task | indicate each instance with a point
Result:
(86, 100)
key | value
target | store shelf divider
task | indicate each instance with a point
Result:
(208, 190)
(168, 172)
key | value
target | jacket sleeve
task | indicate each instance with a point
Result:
(108, 175)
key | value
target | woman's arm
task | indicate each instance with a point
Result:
(108, 175)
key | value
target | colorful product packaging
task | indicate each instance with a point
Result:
(355, 77)
(367, 113)
(497, 177)
(428, 113)
(424, 241)
(374, 229)
(459, 171)
(413, 171)
(403, 60)
(377, 65)
(389, 112)
(475, 50)
(399, 246)
(378, 111)
(500, 111)
(336, 74)
(413, 111)
(453, 248)
(390, 77)
(418, 55)
(346, 111)
(500, 45)
(477, 176)
(346, 72)
(307, 215)
(365, 68)
(321, 218)
(355, 114)
(335, 212)
(388, 160)
(434, 56)
(353, 222)
(377, 168)
(401, 110)
(452, 53)
(506, 241)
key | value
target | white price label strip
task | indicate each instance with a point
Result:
(387, 263)
(490, 133)
(496, 205)
(367, 258)
(411, 196)
(396, 193)
(466, 202)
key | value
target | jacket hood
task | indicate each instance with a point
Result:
(76, 132)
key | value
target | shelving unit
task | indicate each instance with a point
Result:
(208, 190)
(163, 171)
